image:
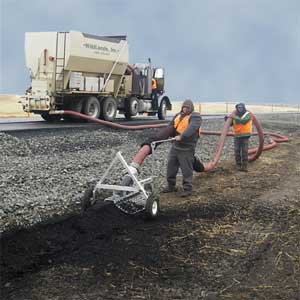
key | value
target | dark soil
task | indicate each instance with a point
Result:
(236, 237)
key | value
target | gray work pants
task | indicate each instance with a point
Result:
(241, 146)
(182, 159)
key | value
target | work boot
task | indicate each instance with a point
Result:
(238, 167)
(169, 189)
(185, 193)
(244, 167)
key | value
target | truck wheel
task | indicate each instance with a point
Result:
(131, 107)
(91, 107)
(162, 110)
(109, 109)
(50, 118)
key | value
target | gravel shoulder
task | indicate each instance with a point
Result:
(237, 237)
(44, 174)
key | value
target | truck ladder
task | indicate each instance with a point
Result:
(59, 74)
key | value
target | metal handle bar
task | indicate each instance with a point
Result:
(153, 150)
(163, 141)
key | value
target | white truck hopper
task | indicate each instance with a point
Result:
(73, 52)
(88, 74)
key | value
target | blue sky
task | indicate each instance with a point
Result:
(212, 50)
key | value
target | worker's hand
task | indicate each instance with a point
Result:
(177, 138)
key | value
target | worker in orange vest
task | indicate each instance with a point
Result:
(154, 94)
(154, 84)
(186, 128)
(242, 129)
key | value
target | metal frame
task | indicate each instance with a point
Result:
(137, 190)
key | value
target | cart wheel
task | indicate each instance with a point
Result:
(86, 199)
(152, 207)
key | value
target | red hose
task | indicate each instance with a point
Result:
(209, 166)
(257, 151)
(277, 138)
(141, 155)
(146, 149)
(111, 124)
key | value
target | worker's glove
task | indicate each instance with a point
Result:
(133, 170)
(225, 118)
(162, 134)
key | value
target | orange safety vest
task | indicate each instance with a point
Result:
(243, 129)
(182, 125)
(154, 84)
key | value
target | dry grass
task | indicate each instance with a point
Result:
(10, 108)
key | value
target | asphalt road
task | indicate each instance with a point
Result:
(37, 123)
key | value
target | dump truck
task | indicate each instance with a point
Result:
(91, 75)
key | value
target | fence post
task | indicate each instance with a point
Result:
(200, 109)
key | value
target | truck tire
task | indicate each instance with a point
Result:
(92, 107)
(131, 107)
(109, 109)
(162, 110)
(50, 118)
